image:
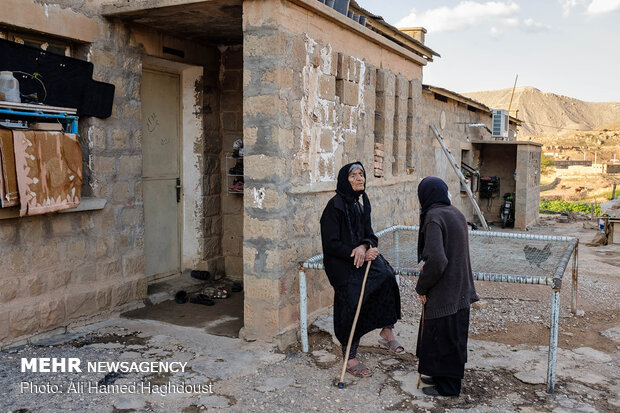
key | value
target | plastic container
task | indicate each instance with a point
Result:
(9, 86)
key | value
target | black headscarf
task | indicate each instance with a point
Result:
(353, 209)
(432, 191)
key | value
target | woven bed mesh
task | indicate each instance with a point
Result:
(490, 253)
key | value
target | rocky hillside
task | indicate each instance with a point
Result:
(548, 114)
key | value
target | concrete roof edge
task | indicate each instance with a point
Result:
(411, 42)
(350, 24)
(115, 8)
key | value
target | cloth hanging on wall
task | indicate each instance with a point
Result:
(9, 194)
(68, 81)
(49, 171)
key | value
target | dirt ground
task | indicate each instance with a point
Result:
(579, 183)
(505, 371)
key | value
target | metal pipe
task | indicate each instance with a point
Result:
(303, 310)
(396, 256)
(557, 277)
(553, 339)
(487, 276)
(575, 280)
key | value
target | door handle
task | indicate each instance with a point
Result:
(178, 186)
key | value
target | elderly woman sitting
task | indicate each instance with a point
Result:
(348, 242)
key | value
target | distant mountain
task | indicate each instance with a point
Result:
(548, 114)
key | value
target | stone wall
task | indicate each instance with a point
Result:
(316, 96)
(527, 185)
(451, 119)
(231, 121)
(60, 268)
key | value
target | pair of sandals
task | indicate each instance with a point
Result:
(182, 297)
(360, 370)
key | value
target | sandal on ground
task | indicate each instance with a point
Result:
(428, 380)
(392, 345)
(215, 293)
(359, 370)
(201, 299)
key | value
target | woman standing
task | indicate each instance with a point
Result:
(445, 289)
(348, 242)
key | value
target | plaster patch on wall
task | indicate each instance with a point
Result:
(259, 197)
(325, 120)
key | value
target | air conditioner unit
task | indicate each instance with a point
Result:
(500, 123)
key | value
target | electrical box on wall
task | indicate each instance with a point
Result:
(500, 123)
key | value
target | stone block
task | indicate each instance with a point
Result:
(4, 325)
(120, 138)
(386, 82)
(342, 65)
(120, 191)
(105, 270)
(141, 289)
(232, 79)
(62, 224)
(8, 233)
(269, 105)
(76, 250)
(52, 313)
(133, 264)
(327, 140)
(234, 267)
(123, 293)
(262, 167)
(130, 165)
(8, 289)
(402, 87)
(58, 279)
(261, 45)
(212, 247)
(232, 101)
(263, 289)
(231, 244)
(229, 121)
(327, 87)
(80, 303)
(250, 136)
(103, 58)
(33, 286)
(104, 298)
(132, 217)
(30, 228)
(275, 229)
(348, 92)
(24, 321)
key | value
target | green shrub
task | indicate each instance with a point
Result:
(561, 206)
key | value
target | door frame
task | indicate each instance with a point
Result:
(190, 216)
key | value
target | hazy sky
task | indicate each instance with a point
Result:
(568, 47)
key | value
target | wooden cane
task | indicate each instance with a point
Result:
(357, 313)
(421, 333)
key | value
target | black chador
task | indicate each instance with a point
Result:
(346, 224)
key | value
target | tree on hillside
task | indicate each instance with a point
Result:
(546, 163)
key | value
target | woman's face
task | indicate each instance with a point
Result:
(357, 180)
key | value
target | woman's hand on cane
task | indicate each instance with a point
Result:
(359, 256)
(422, 299)
(372, 254)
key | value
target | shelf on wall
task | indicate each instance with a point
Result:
(67, 116)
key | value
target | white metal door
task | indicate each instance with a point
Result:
(161, 186)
